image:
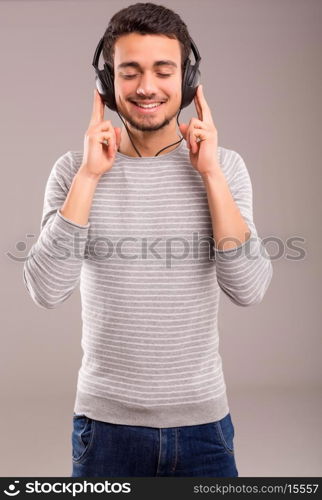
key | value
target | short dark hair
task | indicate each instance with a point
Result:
(146, 18)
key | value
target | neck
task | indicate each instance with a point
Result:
(148, 143)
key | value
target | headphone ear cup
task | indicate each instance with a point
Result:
(105, 86)
(184, 97)
(190, 82)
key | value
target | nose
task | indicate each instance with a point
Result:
(147, 85)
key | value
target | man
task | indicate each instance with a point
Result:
(152, 237)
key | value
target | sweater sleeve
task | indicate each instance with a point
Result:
(52, 268)
(244, 272)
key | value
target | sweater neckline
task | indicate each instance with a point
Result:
(141, 158)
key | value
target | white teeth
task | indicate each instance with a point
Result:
(148, 105)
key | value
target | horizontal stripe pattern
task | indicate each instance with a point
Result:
(150, 277)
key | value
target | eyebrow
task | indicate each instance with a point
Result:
(134, 64)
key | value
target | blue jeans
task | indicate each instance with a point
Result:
(103, 449)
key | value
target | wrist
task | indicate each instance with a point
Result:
(85, 173)
(213, 174)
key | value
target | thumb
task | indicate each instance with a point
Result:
(117, 136)
(183, 129)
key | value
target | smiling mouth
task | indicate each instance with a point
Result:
(147, 107)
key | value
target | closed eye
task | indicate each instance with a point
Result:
(163, 75)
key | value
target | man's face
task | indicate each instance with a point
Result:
(159, 82)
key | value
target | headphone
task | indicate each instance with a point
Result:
(104, 81)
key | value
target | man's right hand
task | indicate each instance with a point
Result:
(97, 156)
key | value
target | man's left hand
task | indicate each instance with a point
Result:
(201, 137)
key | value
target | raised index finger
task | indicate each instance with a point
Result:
(205, 110)
(98, 109)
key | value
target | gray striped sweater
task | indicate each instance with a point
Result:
(150, 278)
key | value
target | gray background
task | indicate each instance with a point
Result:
(261, 71)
